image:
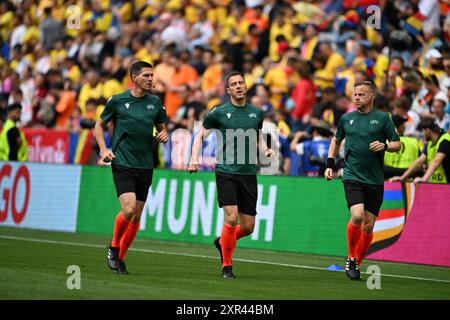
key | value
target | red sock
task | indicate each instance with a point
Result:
(353, 236)
(127, 239)
(239, 233)
(119, 228)
(228, 243)
(363, 246)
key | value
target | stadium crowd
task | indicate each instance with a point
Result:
(62, 60)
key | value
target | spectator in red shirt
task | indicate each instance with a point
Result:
(303, 95)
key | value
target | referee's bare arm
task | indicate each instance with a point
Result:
(99, 133)
(393, 146)
(196, 147)
(332, 152)
(162, 135)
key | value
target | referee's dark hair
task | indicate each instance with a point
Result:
(368, 84)
(232, 74)
(136, 67)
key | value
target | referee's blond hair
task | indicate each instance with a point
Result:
(368, 84)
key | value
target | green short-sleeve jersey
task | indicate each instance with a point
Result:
(359, 131)
(134, 120)
(237, 136)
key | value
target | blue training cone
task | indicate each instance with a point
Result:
(335, 267)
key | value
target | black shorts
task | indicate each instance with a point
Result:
(137, 181)
(237, 189)
(371, 195)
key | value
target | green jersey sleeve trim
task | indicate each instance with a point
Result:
(108, 112)
(210, 121)
(340, 132)
(390, 129)
(161, 116)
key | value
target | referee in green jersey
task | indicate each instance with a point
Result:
(366, 132)
(238, 126)
(134, 114)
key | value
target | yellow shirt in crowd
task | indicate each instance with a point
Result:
(32, 34)
(275, 31)
(143, 55)
(74, 74)
(6, 24)
(379, 69)
(88, 92)
(328, 73)
(251, 78)
(112, 87)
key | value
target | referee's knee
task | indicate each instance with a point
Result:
(357, 220)
(248, 229)
(231, 221)
(367, 228)
(136, 219)
(129, 212)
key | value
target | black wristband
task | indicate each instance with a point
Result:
(386, 146)
(330, 163)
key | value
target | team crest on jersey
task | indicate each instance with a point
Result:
(150, 106)
(351, 121)
(252, 115)
(374, 122)
(127, 105)
(229, 115)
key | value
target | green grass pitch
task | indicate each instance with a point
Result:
(34, 266)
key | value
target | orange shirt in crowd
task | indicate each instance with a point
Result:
(262, 22)
(186, 75)
(162, 73)
(65, 108)
(212, 78)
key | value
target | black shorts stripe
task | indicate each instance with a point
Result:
(237, 189)
(137, 181)
(368, 194)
